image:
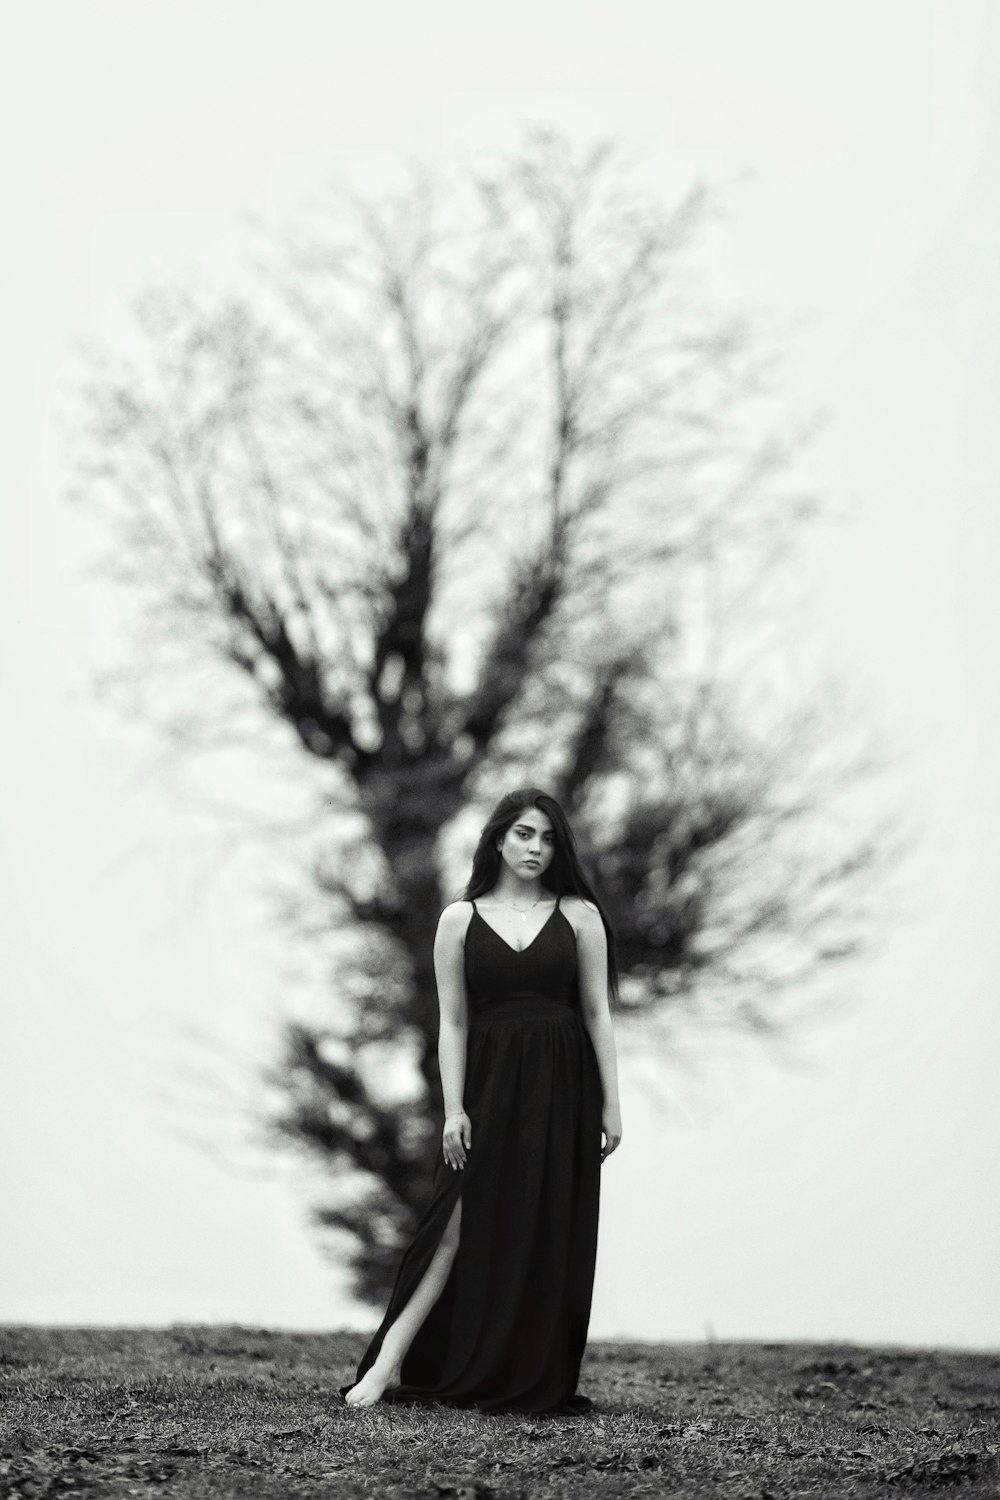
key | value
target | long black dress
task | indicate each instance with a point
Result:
(509, 1329)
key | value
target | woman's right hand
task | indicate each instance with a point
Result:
(457, 1139)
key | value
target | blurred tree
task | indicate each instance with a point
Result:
(467, 494)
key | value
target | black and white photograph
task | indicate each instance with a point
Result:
(500, 970)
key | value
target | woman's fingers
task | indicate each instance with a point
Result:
(611, 1143)
(455, 1152)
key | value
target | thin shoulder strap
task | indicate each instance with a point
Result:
(474, 907)
(558, 899)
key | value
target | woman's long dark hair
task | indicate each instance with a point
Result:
(565, 875)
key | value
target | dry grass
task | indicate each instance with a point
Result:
(212, 1412)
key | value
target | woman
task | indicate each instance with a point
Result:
(492, 1298)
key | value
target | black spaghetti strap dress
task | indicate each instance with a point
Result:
(509, 1329)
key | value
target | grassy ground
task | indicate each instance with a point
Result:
(212, 1412)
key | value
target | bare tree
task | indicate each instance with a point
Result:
(469, 493)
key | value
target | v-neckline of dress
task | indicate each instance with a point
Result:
(534, 940)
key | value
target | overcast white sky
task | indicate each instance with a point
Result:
(853, 1198)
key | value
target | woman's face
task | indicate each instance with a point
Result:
(529, 844)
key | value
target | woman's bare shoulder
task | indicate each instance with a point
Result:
(454, 918)
(581, 910)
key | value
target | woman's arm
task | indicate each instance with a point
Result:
(592, 950)
(449, 970)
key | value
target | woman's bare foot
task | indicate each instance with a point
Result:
(372, 1386)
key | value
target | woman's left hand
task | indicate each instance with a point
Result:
(611, 1124)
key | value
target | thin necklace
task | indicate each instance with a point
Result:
(524, 910)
